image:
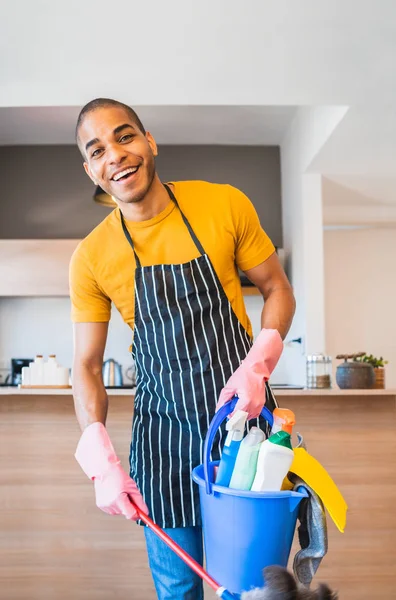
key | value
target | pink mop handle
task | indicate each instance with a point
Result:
(196, 567)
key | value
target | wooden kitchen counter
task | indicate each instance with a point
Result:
(56, 545)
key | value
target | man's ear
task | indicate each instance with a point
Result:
(88, 172)
(152, 143)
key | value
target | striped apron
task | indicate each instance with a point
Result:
(187, 343)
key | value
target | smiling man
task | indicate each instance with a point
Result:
(168, 258)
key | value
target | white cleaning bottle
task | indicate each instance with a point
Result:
(235, 427)
(274, 461)
(246, 461)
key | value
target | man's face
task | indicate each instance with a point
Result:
(118, 156)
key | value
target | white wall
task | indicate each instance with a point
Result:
(360, 287)
(303, 228)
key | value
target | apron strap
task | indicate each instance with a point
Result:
(128, 237)
(187, 224)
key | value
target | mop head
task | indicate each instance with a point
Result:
(281, 585)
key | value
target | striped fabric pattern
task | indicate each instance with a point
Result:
(187, 343)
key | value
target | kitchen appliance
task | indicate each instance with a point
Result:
(112, 373)
(17, 364)
(130, 375)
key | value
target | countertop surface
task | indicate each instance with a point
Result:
(11, 391)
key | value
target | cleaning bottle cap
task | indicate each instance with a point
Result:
(254, 437)
(237, 421)
(281, 438)
(284, 419)
(236, 426)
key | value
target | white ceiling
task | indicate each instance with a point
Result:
(371, 189)
(347, 204)
(364, 142)
(209, 72)
(251, 125)
(340, 190)
(184, 52)
(360, 155)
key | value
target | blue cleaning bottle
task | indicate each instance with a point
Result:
(235, 427)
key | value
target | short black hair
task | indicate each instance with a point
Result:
(103, 103)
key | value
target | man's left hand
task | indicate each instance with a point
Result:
(248, 381)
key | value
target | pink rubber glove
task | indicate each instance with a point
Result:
(114, 489)
(248, 381)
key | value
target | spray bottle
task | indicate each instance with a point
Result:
(274, 461)
(246, 461)
(284, 419)
(235, 427)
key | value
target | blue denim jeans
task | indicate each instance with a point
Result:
(173, 579)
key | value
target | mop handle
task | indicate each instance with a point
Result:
(196, 567)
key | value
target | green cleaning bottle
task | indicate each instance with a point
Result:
(246, 462)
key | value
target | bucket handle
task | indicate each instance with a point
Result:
(217, 420)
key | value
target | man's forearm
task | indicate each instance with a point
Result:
(278, 311)
(90, 396)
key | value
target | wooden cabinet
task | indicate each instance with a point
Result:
(35, 267)
(56, 544)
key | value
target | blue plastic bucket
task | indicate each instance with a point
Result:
(243, 531)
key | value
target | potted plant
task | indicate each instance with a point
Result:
(378, 365)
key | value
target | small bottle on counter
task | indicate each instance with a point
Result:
(37, 370)
(51, 371)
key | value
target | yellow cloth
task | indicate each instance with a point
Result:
(222, 217)
(315, 475)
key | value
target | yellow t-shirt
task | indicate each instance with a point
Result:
(223, 219)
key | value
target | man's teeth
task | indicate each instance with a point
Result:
(125, 172)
